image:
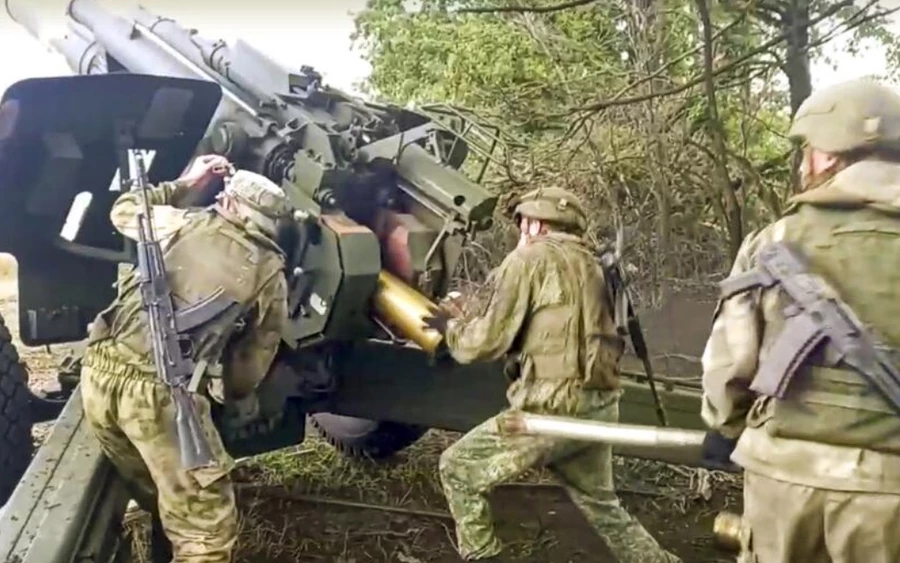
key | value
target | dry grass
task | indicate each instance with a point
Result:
(287, 513)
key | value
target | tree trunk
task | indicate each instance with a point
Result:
(796, 68)
(717, 135)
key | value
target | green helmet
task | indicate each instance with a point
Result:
(850, 115)
(554, 205)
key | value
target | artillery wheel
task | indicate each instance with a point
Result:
(15, 416)
(360, 437)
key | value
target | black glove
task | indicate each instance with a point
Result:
(717, 451)
(437, 320)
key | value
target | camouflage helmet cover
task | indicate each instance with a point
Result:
(263, 201)
(554, 205)
(850, 115)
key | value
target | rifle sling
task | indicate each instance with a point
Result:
(745, 281)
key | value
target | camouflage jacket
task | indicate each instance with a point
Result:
(547, 309)
(204, 250)
(165, 207)
(828, 432)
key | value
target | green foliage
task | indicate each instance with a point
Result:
(651, 161)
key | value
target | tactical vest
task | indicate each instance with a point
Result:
(856, 251)
(575, 339)
(209, 255)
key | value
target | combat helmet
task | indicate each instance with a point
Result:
(262, 201)
(856, 114)
(554, 205)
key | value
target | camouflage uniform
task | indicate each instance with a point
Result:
(547, 311)
(132, 412)
(822, 479)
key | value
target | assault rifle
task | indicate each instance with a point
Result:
(626, 319)
(170, 349)
(815, 315)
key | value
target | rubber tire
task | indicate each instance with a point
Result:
(16, 446)
(363, 438)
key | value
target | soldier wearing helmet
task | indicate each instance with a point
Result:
(229, 246)
(822, 464)
(548, 316)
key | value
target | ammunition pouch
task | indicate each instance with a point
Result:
(545, 346)
(831, 405)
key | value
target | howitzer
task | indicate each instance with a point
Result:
(387, 199)
(815, 315)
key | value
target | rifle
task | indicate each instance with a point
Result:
(170, 349)
(815, 315)
(626, 319)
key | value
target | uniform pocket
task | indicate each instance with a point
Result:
(210, 474)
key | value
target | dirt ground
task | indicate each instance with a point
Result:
(310, 504)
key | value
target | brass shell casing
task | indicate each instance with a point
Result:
(727, 530)
(401, 307)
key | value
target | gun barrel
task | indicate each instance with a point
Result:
(83, 54)
(134, 51)
(607, 432)
(29, 15)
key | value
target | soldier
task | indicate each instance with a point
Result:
(822, 465)
(229, 245)
(548, 315)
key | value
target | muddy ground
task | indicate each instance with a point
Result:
(310, 504)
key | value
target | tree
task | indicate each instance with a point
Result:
(668, 115)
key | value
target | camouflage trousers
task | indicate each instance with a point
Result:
(133, 417)
(786, 523)
(485, 458)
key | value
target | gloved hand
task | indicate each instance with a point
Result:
(437, 320)
(717, 451)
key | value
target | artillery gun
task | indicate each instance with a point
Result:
(386, 211)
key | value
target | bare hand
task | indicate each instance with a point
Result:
(204, 169)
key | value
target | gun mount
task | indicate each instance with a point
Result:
(386, 210)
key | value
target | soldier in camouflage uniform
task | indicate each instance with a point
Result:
(229, 245)
(822, 466)
(548, 316)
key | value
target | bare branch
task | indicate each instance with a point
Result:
(525, 9)
(716, 131)
(658, 72)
